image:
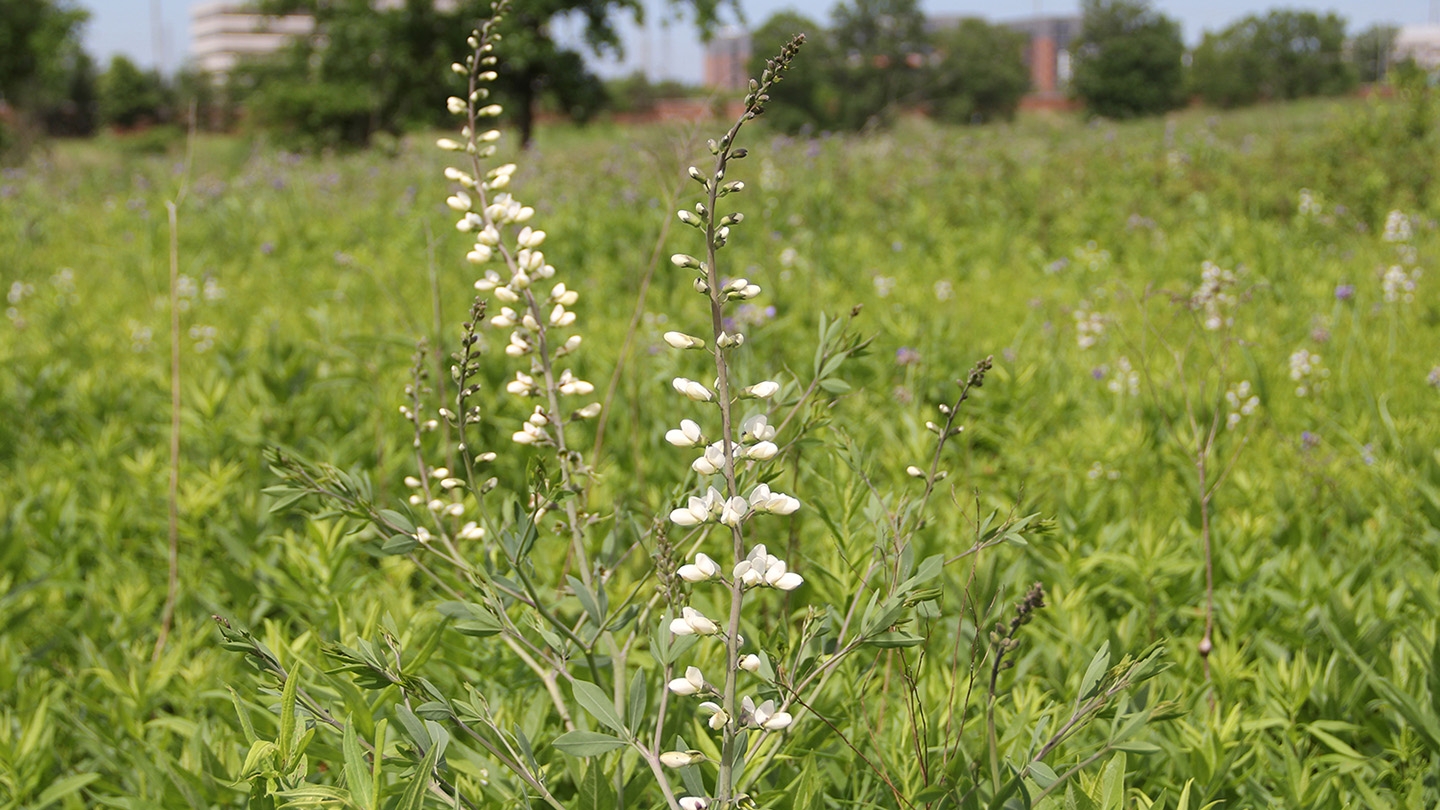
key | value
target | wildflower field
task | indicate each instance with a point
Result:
(1214, 348)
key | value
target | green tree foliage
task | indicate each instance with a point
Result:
(881, 47)
(807, 98)
(45, 75)
(1128, 60)
(371, 70)
(1283, 55)
(130, 96)
(1372, 52)
(981, 75)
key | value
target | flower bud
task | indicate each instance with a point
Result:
(763, 390)
(680, 340)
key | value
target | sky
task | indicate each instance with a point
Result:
(156, 32)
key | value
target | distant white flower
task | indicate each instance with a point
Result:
(1397, 227)
(1398, 285)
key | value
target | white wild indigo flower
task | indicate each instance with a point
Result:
(1303, 366)
(692, 684)
(1214, 297)
(1242, 403)
(1398, 285)
(693, 623)
(1089, 327)
(702, 569)
(1397, 227)
(505, 240)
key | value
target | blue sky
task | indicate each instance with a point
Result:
(672, 50)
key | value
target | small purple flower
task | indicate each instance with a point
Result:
(1309, 440)
(906, 356)
(1434, 377)
(277, 183)
(1344, 292)
(1367, 454)
(1098, 373)
(267, 248)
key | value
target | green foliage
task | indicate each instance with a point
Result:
(982, 74)
(1127, 60)
(1283, 55)
(1323, 677)
(46, 79)
(809, 96)
(130, 97)
(1372, 51)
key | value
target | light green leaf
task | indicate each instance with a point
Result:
(587, 743)
(594, 700)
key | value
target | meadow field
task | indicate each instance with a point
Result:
(1216, 329)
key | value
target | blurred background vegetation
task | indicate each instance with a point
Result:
(367, 72)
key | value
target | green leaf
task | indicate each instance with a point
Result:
(595, 791)
(245, 725)
(61, 788)
(587, 743)
(397, 521)
(835, 385)
(398, 544)
(286, 739)
(587, 601)
(594, 700)
(1137, 747)
(414, 796)
(1043, 774)
(894, 638)
(639, 698)
(1093, 673)
(471, 619)
(1112, 783)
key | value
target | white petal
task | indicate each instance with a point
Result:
(683, 517)
(778, 721)
(683, 687)
(789, 582)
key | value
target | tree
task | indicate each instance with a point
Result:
(46, 79)
(1128, 60)
(388, 61)
(130, 96)
(1372, 51)
(807, 98)
(34, 36)
(1283, 55)
(883, 47)
(981, 75)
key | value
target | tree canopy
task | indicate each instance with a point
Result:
(1128, 59)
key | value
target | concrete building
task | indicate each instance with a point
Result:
(727, 59)
(223, 32)
(1421, 43)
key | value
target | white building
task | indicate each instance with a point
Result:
(222, 32)
(1421, 43)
